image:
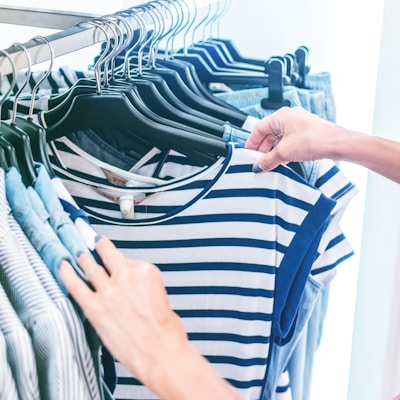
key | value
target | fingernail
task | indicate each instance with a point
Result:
(79, 253)
(98, 238)
(64, 264)
(257, 168)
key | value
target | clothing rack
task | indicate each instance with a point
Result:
(66, 41)
(43, 18)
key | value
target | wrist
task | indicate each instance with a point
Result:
(344, 145)
(182, 373)
(164, 376)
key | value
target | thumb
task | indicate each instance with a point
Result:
(267, 162)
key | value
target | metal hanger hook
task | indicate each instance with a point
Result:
(201, 21)
(225, 9)
(116, 35)
(189, 24)
(212, 19)
(28, 76)
(14, 78)
(119, 43)
(142, 34)
(148, 10)
(154, 8)
(45, 75)
(169, 46)
(103, 55)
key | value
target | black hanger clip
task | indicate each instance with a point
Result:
(301, 55)
(277, 78)
(291, 68)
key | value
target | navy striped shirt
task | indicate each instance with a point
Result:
(235, 249)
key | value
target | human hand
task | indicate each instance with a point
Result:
(292, 134)
(130, 312)
(128, 308)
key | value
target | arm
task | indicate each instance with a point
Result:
(129, 310)
(306, 137)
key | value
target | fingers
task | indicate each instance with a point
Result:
(261, 138)
(110, 256)
(74, 284)
(95, 273)
(267, 162)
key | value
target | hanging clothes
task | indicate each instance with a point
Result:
(247, 258)
(51, 340)
(20, 354)
(100, 201)
(8, 388)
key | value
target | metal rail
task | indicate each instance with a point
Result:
(63, 42)
(42, 18)
(66, 41)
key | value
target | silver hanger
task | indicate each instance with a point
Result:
(97, 65)
(28, 76)
(14, 78)
(45, 75)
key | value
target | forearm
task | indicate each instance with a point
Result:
(375, 153)
(303, 136)
(188, 375)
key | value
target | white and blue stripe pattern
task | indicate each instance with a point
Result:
(329, 180)
(333, 249)
(223, 238)
(283, 390)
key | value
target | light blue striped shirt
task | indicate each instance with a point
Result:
(57, 368)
